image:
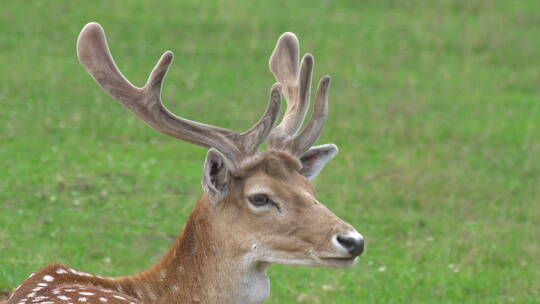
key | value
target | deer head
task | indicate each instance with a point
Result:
(265, 201)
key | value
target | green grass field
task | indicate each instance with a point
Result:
(435, 108)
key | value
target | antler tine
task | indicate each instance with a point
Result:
(255, 136)
(296, 85)
(145, 102)
(313, 130)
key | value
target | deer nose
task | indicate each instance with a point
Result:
(354, 244)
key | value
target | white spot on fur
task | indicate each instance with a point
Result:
(82, 299)
(119, 297)
(102, 299)
(42, 284)
(64, 298)
(37, 289)
(86, 293)
(39, 299)
(70, 290)
(80, 273)
(47, 302)
(61, 271)
(56, 292)
(48, 278)
(31, 295)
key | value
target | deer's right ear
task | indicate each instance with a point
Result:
(217, 175)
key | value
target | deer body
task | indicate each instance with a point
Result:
(192, 271)
(258, 207)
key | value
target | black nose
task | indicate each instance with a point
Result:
(355, 246)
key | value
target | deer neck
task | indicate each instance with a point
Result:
(203, 266)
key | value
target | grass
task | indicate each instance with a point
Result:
(435, 107)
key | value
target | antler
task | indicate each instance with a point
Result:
(296, 81)
(145, 102)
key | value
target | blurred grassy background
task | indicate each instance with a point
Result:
(435, 106)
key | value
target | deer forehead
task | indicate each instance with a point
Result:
(272, 168)
(272, 162)
(290, 186)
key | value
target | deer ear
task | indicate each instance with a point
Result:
(217, 175)
(314, 159)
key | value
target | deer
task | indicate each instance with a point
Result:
(257, 208)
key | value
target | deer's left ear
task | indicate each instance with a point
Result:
(217, 176)
(314, 159)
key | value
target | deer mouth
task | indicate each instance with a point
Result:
(337, 262)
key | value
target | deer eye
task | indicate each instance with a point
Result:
(260, 199)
